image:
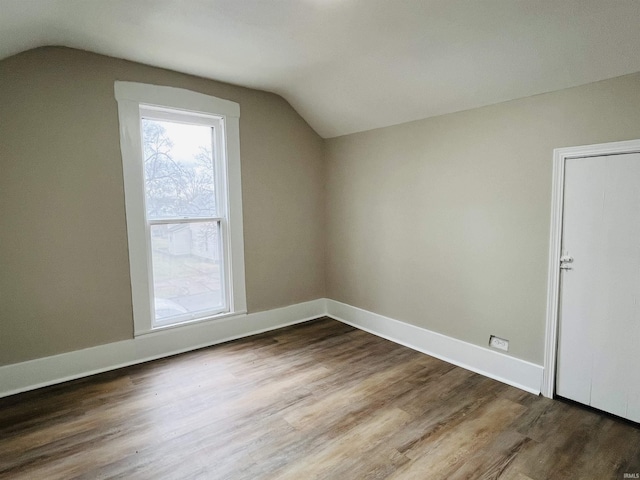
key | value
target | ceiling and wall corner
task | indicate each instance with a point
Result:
(351, 65)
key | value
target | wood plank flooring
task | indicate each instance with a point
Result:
(318, 400)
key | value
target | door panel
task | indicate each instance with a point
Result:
(599, 333)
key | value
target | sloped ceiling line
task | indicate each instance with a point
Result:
(351, 65)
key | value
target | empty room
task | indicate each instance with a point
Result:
(330, 239)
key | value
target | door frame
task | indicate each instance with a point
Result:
(560, 156)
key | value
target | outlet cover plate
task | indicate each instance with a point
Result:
(499, 343)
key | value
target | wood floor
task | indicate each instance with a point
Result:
(318, 400)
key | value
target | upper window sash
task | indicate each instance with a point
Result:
(219, 150)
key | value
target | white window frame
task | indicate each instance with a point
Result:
(134, 101)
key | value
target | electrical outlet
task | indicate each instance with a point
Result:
(499, 343)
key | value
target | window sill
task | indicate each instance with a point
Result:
(190, 323)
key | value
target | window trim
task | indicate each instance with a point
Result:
(132, 98)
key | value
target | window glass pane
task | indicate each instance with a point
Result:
(178, 169)
(187, 269)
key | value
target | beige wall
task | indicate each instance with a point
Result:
(64, 273)
(444, 222)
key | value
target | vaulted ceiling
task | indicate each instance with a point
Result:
(351, 65)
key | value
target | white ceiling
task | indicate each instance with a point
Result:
(351, 65)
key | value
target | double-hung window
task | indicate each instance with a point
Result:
(181, 164)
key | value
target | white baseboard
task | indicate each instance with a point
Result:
(32, 374)
(504, 368)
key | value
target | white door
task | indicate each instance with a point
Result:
(599, 322)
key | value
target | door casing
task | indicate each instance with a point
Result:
(560, 155)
